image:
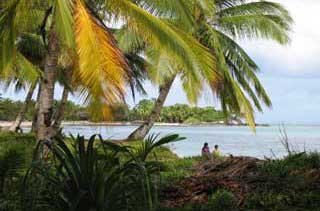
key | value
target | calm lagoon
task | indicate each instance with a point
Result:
(232, 140)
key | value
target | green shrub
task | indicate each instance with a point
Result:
(192, 120)
(267, 201)
(285, 200)
(13, 165)
(303, 160)
(222, 200)
(178, 169)
(17, 138)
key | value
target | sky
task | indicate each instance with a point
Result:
(290, 74)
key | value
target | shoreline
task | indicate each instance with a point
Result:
(7, 124)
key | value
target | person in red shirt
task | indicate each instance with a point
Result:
(206, 151)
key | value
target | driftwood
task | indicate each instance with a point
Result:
(233, 174)
(240, 175)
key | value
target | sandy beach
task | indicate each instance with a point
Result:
(4, 125)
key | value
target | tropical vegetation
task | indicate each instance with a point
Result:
(220, 28)
(76, 32)
(9, 109)
(179, 113)
(84, 174)
(99, 50)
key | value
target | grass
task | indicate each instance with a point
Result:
(160, 154)
(174, 170)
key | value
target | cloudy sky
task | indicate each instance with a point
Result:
(290, 74)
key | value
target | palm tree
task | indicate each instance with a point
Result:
(31, 46)
(25, 71)
(238, 85)
(101, 67)
(16, 126)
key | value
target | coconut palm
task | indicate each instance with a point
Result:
(238, 89)
(101, 67)
(25, 72)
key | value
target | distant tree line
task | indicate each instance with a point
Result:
(179, 113)
(9, 109)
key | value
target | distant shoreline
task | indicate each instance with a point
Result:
(7, 124)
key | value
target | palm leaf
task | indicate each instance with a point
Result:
(256, 26)
(64, 21)
(161, 34)
(102, 68)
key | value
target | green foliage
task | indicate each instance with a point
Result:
(179, 113)
(142, 110)
(192, 120)
(174, 170)
(15, 156)
(289, 200)
(9, 109)
(281, 168)
(288, 184)
(80, 177)
(138, 168)
(222, 200)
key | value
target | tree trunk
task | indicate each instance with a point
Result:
(16, 125)
(144, 129)
(60, 112)
(36, 111)
(47, 88)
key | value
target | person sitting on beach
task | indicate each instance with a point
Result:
(206, 151)
(216, 152)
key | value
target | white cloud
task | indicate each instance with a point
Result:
(301, 56)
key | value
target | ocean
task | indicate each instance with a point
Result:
(235, 140)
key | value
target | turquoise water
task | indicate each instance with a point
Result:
(232, 140)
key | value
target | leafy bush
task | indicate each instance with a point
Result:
(222, 200)
(281, 168)
(288, 200)
(14, 160)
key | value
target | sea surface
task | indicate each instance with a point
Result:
(235, 140)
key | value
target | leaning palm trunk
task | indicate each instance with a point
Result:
(47, 89)
(141, 132)
(60, 112)
(36, 110)
(16, 125)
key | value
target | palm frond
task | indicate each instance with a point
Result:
(254, 26)
(64, 21)
(159, 33)
(178, 10)
(257, 8)
(8, 33)
(102, 68)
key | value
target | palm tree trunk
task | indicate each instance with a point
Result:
(16, 125)
(47, 88)
(144, 129)
(36, 110)
(60, 112)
